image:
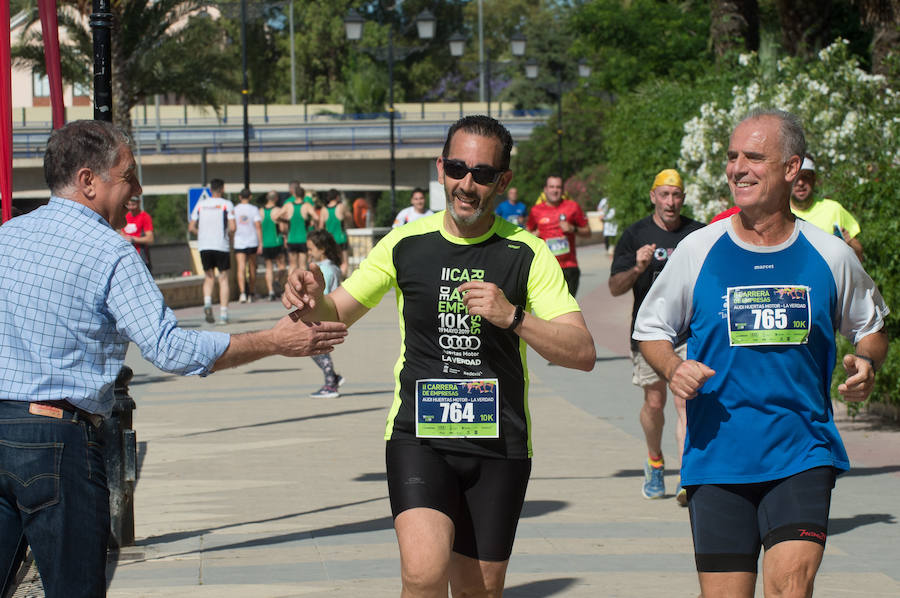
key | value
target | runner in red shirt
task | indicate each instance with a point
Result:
(139, 229)
(557, 220)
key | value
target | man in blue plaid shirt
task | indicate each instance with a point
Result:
(73, 293)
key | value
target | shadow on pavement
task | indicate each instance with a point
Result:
(285, 421)
(845, 524)
(860, 471)
(600, 359)
(359, 527)
(271, 371)
(536, 508)
(371, 477)
(639, 473)
(140, 379)
(176, 536)
(539, 589)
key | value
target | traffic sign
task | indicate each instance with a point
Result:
(194, 195)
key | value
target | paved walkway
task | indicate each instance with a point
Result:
(249, 488)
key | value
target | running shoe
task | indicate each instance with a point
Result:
(271, 296)
(242, 298)
(207, 311)
(326, 392)
(654, 484)
(681, 495)
(223, 319)
(340, 380)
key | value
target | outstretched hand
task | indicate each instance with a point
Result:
(300, 339)
(304, 290)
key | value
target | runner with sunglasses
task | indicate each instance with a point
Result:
(473, 290)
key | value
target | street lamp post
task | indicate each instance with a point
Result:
(458, 46)
(558, 69)
(425, 25)
(245, 92)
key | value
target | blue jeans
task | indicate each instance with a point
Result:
(53, 496)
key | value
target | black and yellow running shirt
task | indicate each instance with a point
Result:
(461, 383)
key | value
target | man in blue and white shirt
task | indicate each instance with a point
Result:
(73, 293)
(762, 294)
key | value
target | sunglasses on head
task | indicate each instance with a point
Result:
(483, 175)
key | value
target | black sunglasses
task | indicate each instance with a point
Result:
(483, 175)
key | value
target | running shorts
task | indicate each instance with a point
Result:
(730, 522)
(296, 247)
(482, 496)
(247, 250)
(271, 253)
(210, 259)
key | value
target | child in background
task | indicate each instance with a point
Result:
(325, 253)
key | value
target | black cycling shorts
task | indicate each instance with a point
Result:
(482, 496)
(215, 259)
(730, 522)
(271, 253)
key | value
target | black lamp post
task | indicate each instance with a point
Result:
(558, 69)
(245, 93)
(101, 24)
(425, 25)
(458, 46)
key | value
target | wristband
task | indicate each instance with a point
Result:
(870, 360)
(517, 318)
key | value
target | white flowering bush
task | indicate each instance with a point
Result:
(851, 119)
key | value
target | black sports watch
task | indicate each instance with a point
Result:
(517, 318)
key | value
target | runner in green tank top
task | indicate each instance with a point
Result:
(332, 220)
(296, 214)
(273, 245)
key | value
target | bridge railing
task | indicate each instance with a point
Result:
(342, 135)
(40, 117)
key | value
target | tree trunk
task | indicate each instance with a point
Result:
(734, 26)
(804, 25)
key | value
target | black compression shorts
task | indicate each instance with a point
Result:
(482, 496)
(731, 521)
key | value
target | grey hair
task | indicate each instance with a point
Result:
(793, 140)
(93, 144)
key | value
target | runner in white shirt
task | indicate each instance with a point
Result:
(247, 244)
(212, 220)
(415, 211)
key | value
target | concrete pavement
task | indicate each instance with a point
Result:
(247, 487)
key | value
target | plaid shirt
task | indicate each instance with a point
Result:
(73, 293)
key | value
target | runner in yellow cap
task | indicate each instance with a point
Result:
(639, 258)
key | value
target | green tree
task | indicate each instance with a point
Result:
(643, 135)
(633, 41)
(158, 47)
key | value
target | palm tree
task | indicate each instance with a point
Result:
(884, 18)
(158, 47)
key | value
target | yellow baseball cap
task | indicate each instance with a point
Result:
(669, 176)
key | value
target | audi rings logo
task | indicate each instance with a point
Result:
(454, 341)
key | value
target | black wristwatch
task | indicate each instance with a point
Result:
(517, 318)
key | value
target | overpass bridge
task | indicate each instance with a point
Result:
(340, 152)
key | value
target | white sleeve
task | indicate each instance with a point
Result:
(666, 310)
(860, 308)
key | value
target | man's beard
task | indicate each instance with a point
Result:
(467, 220)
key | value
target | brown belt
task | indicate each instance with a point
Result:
(92, 418)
